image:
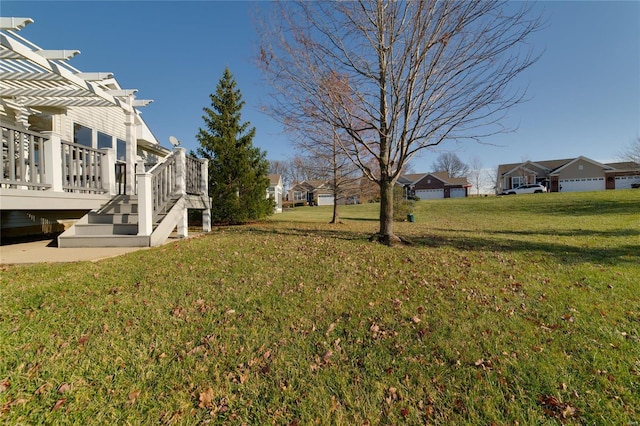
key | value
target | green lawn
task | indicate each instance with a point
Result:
(504, 310)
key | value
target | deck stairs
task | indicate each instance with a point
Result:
(115, 224)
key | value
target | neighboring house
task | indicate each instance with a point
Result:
(568, 175)
(275, 191)
(436, 185)
(77, 155)
(320, 192)
(312, 192)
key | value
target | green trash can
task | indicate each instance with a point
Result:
(410, 218)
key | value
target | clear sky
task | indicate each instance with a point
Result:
(584, 92)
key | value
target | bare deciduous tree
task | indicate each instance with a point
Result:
(412, 75)
(282, 168)
(449, 162)
(632, 152)
(476, 174)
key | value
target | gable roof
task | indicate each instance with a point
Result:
(580, 158)
(309, 185)
(411, 178)
(548, 165)
(624, 165)
(275, 179)
(448, 180)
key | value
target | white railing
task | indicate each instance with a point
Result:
(82, 169)
(23, 160)
(173, 177)
(42, 161)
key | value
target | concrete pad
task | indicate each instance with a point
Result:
(45, 251)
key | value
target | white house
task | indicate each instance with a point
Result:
(75, 150)
(275, 190)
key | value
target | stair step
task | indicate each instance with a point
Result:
(115, 218)
(107, 229)
(120, 208)
(78, 241)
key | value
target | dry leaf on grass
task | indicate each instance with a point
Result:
(206, 399)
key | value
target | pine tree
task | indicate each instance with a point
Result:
(238, 180)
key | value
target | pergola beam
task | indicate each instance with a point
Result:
(54, 68)
(57, 55)
(14, 24)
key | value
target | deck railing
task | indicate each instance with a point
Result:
(42, 161)
(175, 176)
(82, 168)
(23, 163)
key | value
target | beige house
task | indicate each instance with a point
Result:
(569, 175)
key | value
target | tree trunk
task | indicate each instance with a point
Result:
(336, 216)
(386, 235)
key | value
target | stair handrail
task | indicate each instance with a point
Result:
(164, 183)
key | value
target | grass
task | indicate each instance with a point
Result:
(522, 309)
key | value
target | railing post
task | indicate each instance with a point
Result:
(181, 189)
(108, 164)
(145, 202)
(181, 171)
(204, 190)
(53, 160)
(131, 153)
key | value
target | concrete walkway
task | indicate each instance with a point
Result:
(46, 252)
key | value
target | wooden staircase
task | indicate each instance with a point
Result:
(113, 225)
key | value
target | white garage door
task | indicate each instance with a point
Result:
(625, 182)
(429, 194)
(325, 200)
(584, 184)
(457, 193)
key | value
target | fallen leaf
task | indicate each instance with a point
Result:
(206, 399)
(43, 388)
(133, 395)
(330, 328)
(415, 320)
(59, 403)
(83, 339)
(65, 387)
(4, 384)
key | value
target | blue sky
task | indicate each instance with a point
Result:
(584, 92)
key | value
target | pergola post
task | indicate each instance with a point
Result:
(53, 160)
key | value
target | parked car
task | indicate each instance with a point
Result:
(535, 188)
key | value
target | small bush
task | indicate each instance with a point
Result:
(401, 206)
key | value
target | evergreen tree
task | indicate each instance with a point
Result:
(238, 180)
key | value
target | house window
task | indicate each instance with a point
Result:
(299, 196)
(121, 150)
(104, 140)
(82, 135)
(517, 181)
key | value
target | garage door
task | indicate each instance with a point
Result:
(625, 182)
(584, 184)
(429, 194)
(457, 193)
(325, 200)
